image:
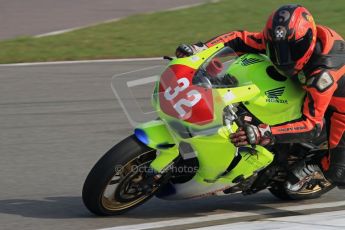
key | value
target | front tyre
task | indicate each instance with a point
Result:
(115, 184)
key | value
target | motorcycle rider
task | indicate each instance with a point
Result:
(315, 55)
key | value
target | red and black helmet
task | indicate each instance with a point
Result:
(290, 37)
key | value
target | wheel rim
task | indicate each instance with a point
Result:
(123, 189)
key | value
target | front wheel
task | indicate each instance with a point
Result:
(115, 184)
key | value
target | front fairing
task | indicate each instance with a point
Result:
(189, 104)
(193, 91)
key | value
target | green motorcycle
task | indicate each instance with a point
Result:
(186, 153)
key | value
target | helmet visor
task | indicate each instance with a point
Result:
(279, 52)
(288, 53)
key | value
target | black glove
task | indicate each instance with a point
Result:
(185, 50)
(253, 135)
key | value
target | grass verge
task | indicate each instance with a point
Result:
(159, 33)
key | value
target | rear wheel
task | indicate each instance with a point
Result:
(279, 191)
(298, 154)
(117, 183)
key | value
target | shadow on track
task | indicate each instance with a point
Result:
(48, 208)
(70, 207)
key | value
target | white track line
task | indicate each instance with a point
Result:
(57, 32)
(82, 61)
(104, 60)
(117, 19)
(325, 220)
(134, 71)
(224, 216)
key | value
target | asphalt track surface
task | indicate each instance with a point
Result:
(33, 17)
(56, 121)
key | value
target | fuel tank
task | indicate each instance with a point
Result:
(280, 98)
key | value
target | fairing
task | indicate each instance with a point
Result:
(200, 125)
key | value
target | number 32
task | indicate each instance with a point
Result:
(193, 96)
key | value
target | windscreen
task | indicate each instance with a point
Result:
(181, 91)
(133, 90)
(214, 72)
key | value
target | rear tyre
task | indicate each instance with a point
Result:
(278, 190)
(115, 184)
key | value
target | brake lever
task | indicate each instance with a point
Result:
(234, 118)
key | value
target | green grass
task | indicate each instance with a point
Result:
(158, 34)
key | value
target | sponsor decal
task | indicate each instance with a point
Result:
(273, 96)
(280, 33)
(307, 17)
(298, 128)
(250, 61)
(284, 16)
